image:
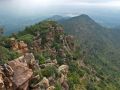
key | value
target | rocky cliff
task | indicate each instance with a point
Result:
(45, 52)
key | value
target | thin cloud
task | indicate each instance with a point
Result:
(35, 6)
(110, 3)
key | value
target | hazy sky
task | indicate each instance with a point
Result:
(31, 7)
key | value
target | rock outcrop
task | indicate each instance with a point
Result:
(16, 74)
(19, 46)
(51, 48)
(63, 70)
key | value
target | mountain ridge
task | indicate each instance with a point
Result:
(100, 44)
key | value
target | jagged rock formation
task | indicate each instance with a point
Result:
(63, 70)
(43, 63)
(16, 74)
(19, 46)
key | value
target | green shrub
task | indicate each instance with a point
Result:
(90, 86)
(60, 60)
(56, 45)
(73, 67)
(73, 79)
(6, 55)
(58, 86)
(49, 71)
(5, 41)
(40, 57)
(28, 38)
(81, 72)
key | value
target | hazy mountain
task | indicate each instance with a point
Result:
(13, 23)
(100, 45)
(117, 27)
(17, 23)
(58, 18)
(107, 21)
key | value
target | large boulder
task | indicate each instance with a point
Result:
(16, 74)
(45, 82)
(63, 69)
(1, 80)
(22, 74)
(51, 88)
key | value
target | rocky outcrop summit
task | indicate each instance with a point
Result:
(43, 61)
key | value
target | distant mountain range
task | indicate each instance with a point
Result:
(58, 18)
(14, 24)
(110, 22)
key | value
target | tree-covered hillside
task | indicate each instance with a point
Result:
(100, 45)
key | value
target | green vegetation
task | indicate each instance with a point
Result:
(58, 86)
(49, 71)
(99, 46)
(7, 55)
(99, 51)
(41, 58)
(28, 38)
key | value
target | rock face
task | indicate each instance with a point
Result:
(45, 82)
(1, 80)
(21, 73)
(51, 88)
(63, 70)
(19, 46)
(16, 74)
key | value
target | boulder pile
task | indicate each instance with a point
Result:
(19, 46)
(18, 74)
